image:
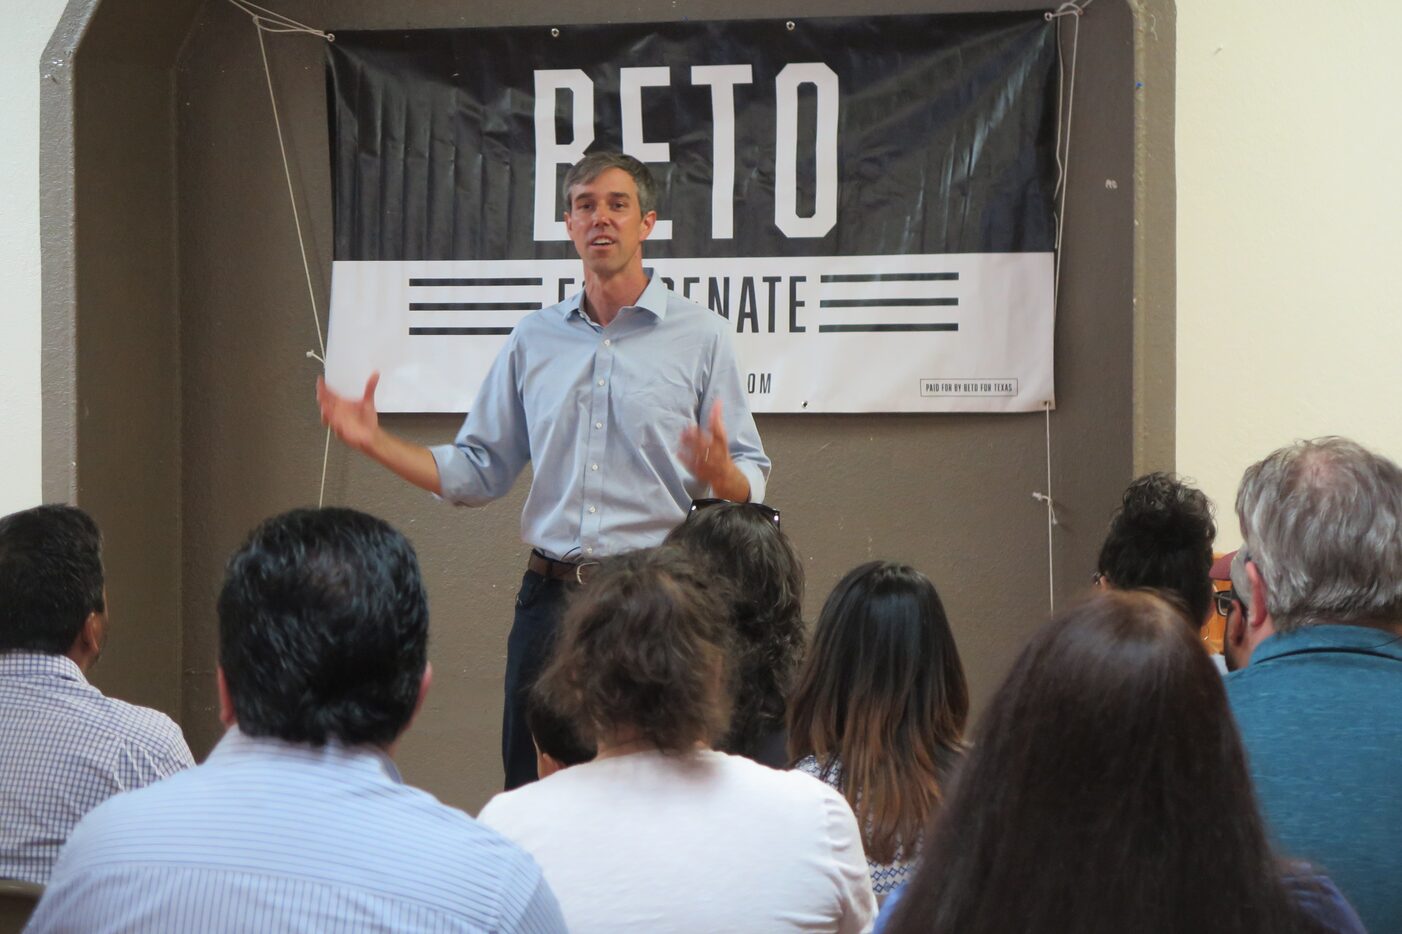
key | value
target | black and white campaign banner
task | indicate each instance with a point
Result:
(868, 201)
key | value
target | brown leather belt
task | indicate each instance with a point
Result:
(576, 572)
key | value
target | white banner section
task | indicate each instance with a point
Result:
(924, 333)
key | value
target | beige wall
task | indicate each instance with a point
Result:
(1289, 232)
(27, 28)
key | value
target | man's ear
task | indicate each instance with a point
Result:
(649, 222)
(1256, 614)
(92, 636)
(226, 702)
(424, 684)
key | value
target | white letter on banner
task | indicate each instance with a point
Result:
(548, 153)
(631, 82)
(722, 79)
(824, 218)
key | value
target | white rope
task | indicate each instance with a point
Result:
(1065, 92)
(266, 20)
(272, 21)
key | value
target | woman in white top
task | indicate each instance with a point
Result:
(660, 833)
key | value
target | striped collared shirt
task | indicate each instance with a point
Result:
(64, 749)
(271, 836)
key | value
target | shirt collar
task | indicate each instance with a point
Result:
(653, 300)
(1328, 636)
(237, 746)
(20, 663)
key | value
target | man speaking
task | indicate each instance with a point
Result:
(618, 396)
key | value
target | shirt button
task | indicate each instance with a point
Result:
(598, 424)
(593, 509)
(589, 550)
(601, 382)
(607, 342)
(593, 466)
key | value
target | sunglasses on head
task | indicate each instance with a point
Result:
(769, 512)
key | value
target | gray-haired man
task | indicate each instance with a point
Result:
(1320, 702)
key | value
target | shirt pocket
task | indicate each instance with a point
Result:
(653, 411)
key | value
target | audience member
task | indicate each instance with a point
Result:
(1161, 537)
(1108, 791)
(880, 707)
(745, 546)
(298, 821)
(660, 833)
(1320, 704)
(64, 747)
(557, 742)
(1233, 603)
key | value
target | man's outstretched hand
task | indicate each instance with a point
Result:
(706, 453)
(354, 421)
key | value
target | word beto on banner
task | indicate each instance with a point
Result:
(722, 80)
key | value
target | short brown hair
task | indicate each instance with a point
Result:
(644, 647)
(596, 163)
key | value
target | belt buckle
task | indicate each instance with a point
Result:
(579, 571)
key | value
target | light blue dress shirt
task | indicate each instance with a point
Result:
(64, 749)
(599, 412)
(271, 836)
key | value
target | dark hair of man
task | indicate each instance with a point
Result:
(50, 578)
(1161, 538)
(747, 549)
(596, 163)
(882, 692)
(554, 734)
(642, 651)
(1106, 791)
(323, 629)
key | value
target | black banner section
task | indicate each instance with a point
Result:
(836, 137)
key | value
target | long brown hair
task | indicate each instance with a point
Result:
(1107, 791)
(882, 696)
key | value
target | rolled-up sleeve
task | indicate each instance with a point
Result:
(494, 444)
(746, 448)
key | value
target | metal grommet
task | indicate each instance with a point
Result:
(554, 32)
(789, 26)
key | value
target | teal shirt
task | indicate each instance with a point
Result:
(1320, 713)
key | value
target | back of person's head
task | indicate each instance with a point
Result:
(50, 578)
(642, 653)
(323, 629)
(744, 546)
(1107, 790)
(1322, 521)
(1161, 537)
(554, 735)
(882, 693)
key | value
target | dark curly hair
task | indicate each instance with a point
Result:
(644, 649)
(746, 548)
(1161, 538)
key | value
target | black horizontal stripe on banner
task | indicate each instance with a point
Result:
(474, 306)
(882, 328)
(885, 302)
(472, 332)
(444, 283)
(893, 277)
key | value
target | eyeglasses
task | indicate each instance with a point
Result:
(1224, 600)
(769, 512)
